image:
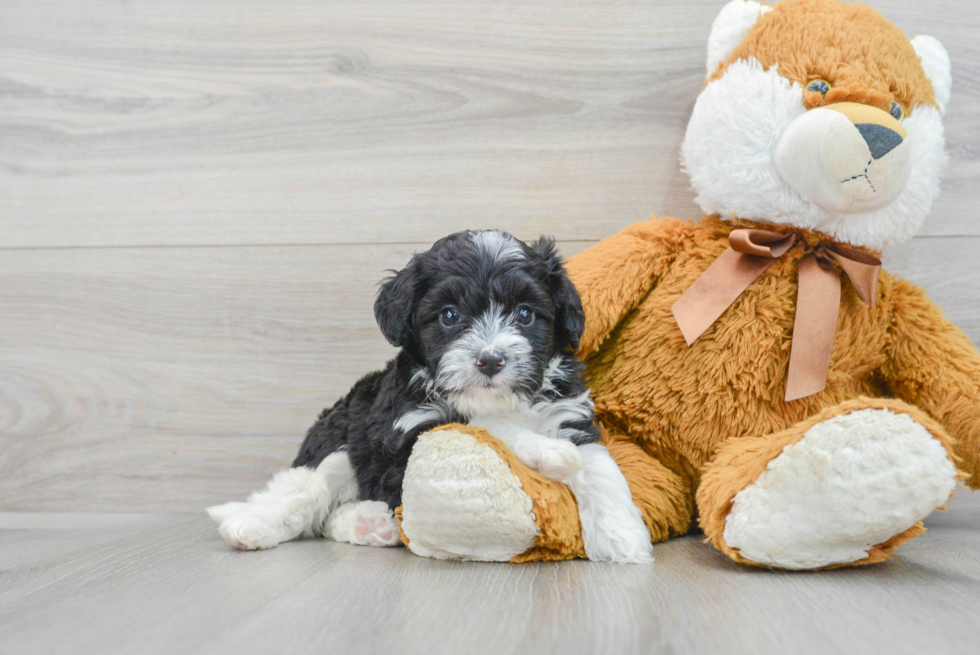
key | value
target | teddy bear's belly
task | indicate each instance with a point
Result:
(682, 402)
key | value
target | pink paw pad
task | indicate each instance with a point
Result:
(376, 530)
(362, 529)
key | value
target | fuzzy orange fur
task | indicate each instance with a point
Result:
(680, 404)
(704, 421)
(664, 498)
(701, 423)
(854, 48)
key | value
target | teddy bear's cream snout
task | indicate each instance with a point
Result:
(846, 157)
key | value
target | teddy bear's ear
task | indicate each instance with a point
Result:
(935, 63)
(731, 25)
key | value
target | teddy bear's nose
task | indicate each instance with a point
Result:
(845, 157)
(880, 139)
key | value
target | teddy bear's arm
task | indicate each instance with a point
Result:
(933, 365)
(615, 274)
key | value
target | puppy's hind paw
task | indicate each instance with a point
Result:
(376, 526)
(555, 459)
(220, 513)
(250, 530)
(365, 523)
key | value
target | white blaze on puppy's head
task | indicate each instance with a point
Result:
(843, 137)
(498, 246)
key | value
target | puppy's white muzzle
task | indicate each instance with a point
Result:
(845, 157)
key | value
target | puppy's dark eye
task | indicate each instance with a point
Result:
(524, 315)
(449, 317)
(818, 86)
(896, 111)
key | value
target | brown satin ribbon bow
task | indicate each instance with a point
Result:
(750, 253)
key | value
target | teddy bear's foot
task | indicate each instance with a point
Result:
(461, 501)
(845, 486)
(466, 495)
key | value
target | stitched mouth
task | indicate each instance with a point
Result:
(862, 175)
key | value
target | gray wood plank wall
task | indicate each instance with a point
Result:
(197, 199)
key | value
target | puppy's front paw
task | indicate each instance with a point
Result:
(553, 458)
(626, 542)
(251, 531)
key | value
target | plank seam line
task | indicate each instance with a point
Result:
(339, 244)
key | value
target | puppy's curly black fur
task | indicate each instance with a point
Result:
(491, 283)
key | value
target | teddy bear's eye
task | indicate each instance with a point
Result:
(896, 111)
(818, 86)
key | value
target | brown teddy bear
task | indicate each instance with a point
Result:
(753, 369)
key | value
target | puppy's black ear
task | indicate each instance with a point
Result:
(395, 304)
(569, 315)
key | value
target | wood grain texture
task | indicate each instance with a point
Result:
(168, 584)
(124, 372)
(166, 379)
(198, 198)
(218, 122)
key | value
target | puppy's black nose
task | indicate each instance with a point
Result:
(490, 362)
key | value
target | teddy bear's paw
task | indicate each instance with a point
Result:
(851, 482)
(247, 527)
(364, 523)
(555, 459)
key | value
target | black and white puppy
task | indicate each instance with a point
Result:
(487, 326)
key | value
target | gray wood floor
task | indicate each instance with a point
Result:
(163, 583)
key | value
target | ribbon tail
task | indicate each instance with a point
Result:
(861, 268)
(717, 288)
(817, 308)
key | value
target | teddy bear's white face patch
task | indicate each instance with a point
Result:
(730, 152)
